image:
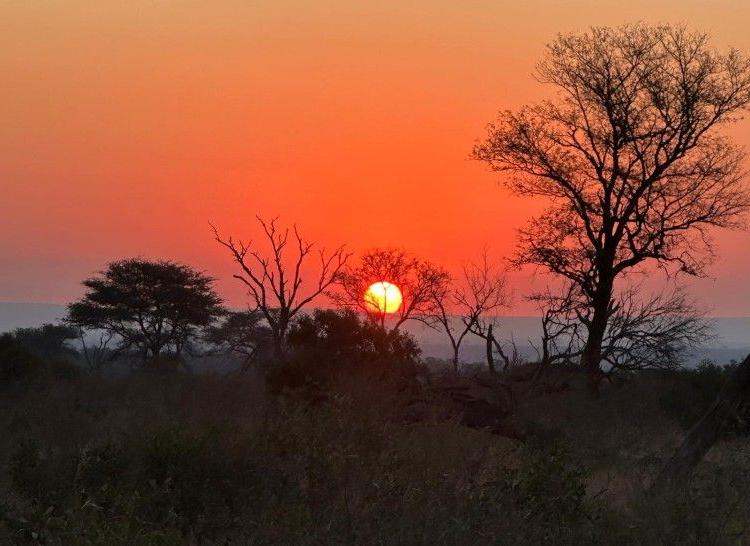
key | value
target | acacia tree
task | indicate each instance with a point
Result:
(629, 155)
(149, 306)
(467, 308)
(274, 279)
(419, 281)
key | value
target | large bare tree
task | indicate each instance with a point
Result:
(274, 278)
(631, 157)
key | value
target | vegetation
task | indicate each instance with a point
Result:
(274, 277)
(187, 459)
(338, 432)
(150, 306)
(631, 159)
(418, 280)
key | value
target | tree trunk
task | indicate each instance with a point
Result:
(705, 432)
(591, 356)
(455, 359)
(278, 348)
(490, 358)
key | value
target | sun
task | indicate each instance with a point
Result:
(383, 297)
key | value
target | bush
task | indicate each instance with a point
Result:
(49, 342)
(335, 474)
(693, 392)
(16, 362)
(328, 344)
(42, 476)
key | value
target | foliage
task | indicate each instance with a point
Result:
(693, 392)
(241, 333)
(16, 362)
(211, 460)
(149, 306)
(335, 474)
(49, 341)
(329, 343)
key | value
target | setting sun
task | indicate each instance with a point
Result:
(383, 297)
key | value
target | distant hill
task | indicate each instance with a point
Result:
(733, 342)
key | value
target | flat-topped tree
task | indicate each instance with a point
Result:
(274, 278)
(630, 156)
(150, 306)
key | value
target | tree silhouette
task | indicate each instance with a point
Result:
(150, 306)
(467, 309)
(240, 333)
(419, 282)
(275, 284)
(630, 156)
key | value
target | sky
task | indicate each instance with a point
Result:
(128, 126)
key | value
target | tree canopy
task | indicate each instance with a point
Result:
(631, 157)
(151, 306)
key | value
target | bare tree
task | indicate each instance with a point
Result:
(630, 156)
(655, 332)
(466, 309)
(419, 282)
(97, 353)
(274, 280)
(561, 327)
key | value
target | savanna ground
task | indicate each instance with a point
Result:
(375, 457)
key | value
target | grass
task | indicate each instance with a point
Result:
(178, 459)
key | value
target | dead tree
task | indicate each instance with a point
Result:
(274, 278)
(706, 431)
(419, 282)
(461, 310)
(629, 155)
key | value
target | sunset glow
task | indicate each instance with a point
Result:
(147, 120)
(383, 297)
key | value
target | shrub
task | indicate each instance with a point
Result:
(328, 344)
(49, 342)
(16, 362)
(43, 476)
(692, 392)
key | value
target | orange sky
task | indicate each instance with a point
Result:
(127, 126)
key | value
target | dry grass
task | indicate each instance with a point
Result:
(173, 459)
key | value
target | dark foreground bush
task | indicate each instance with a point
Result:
(328, 345)
(692, 392)
(338, 473)
(174, 459)
(16, 363)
